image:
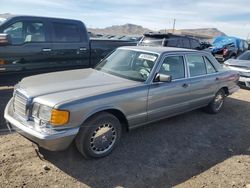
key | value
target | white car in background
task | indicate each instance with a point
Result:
(242, 65)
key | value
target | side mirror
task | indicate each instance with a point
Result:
(5, 39)
(162, 78)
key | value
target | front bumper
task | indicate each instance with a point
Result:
(245, 81)
(55, 140)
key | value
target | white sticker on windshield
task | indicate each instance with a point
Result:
(147, 57)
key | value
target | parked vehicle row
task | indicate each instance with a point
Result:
(29, 43)
(131, 87)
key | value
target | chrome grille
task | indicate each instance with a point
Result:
(20, 104)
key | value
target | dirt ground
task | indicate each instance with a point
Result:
(190, 150)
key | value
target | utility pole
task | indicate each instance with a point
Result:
(174, 25)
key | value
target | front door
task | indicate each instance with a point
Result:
(29, 49)
(167, 99)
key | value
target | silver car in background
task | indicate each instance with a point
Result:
(242, 65)
(134, 86)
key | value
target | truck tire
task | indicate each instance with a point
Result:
(99, 135)
(217, 103)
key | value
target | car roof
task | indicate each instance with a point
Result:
(40, 17)
(158, 49)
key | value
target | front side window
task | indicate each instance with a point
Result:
(34, 32)
(16, 32)
(173, 66)
(26, 32)
(196, 65)
(172, 42)
(66, 32)
(129, 64)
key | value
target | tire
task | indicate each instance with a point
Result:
(217, 103)
(99, 135)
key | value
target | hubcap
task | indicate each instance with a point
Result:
(103, 138)
(218, 101)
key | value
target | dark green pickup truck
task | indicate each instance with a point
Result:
(31, 44)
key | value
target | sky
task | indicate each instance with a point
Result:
(229, 16)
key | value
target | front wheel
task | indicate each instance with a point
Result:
(217, 103)
(99, 135)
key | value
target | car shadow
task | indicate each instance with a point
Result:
(165, 153)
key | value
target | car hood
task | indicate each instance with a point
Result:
(245, 64)
(59, 87)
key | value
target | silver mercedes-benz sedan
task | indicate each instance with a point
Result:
(133, 86)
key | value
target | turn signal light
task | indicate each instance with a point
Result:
(59, 117)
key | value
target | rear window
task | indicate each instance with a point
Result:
(64, 32)
(152, 41)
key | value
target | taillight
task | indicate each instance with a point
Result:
(225, 51)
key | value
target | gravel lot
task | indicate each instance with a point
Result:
(190, 150)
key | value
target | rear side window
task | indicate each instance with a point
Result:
(196, 65)
(209, 66)
(195, 44)
(185, 43)
(173, 66)
(65, 32)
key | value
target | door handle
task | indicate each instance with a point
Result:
(217, 78)
(185, 85)
(46, 50)
(83, 49)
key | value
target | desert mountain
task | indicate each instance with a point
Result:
(131, 29)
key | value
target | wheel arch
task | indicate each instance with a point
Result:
(226, 90)
(114, 111)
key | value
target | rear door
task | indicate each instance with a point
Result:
(70, 44)
(201, 84)
(30, 41)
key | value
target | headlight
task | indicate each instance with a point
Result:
(44, 113)
(41, 111)
(53, 116)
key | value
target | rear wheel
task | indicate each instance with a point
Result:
(217, 103)
(99, 135)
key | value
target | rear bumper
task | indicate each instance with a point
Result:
(53, 141)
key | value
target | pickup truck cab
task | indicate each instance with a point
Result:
(29, 43)
(133, 86)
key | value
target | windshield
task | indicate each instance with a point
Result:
(129, 64)
(244, 56)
